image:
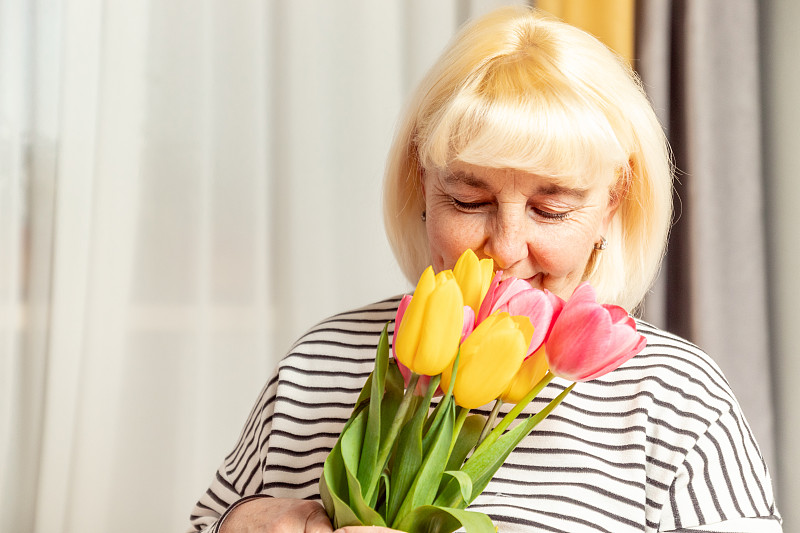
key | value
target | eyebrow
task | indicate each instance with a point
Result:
(550, 189)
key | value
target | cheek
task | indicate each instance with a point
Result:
(564, 255)
(448, 239)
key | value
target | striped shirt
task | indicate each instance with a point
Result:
(660, 444)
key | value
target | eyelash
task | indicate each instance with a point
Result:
(551, 215)
(474, 206)
(467, 206)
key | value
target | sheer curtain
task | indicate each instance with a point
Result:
(185, 186)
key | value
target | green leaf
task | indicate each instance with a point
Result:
(466, 440)
(516, 410)
(386, 493)
(464, 481)
(435, 419)
(431, 519)
(365, 393)
(335, 478)
(408, 458)
(391, 398)
(405, 465)
(351, 441)
(333, 488)
(365, 513)
(395, 383)
(426, 483)
(370, 445)
(485, 462)
(351, 444)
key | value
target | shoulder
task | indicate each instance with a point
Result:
(696, 423)
(679, 388)
(683, 368)
(346, 339)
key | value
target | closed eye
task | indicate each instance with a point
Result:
(468, 206)
(550, 215)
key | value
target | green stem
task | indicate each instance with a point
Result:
(462, 415)
(490, 421)
(512, 415)
(391, 436)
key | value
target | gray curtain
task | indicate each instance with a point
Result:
(699, 60)
(780, 42)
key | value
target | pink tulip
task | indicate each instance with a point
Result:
(517, 297)
(558, 306)
(589, 340)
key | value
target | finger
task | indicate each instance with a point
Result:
(365, 529)
(318, 522)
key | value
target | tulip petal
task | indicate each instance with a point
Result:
(489, 299)
(617, 314)
(444, 315)
(468, 274)
(487, 273)
(469, 322)
(618, 361)
(589, 340)
(531, 371)
(408, 337)
(526, 328)
(489, 359)
(398, 318)
(558, 305)
(535, 305)
(422, 382)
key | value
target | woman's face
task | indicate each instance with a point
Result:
(533, 228)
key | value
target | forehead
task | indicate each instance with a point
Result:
(490, 178)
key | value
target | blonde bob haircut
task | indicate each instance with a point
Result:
(519, 89)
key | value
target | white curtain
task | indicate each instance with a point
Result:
(185, 186)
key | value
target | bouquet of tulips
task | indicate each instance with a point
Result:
(473, 337)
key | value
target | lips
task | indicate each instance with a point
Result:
(535, 281)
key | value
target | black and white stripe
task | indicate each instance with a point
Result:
(660, 444)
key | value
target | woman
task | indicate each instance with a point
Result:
(534, 145)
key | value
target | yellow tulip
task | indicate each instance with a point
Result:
(474, 277)
(490, 358)
(430, 329)
(530, 373)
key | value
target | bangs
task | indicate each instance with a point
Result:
(514, 118)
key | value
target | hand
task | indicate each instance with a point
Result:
(366, 529)
(281, 515)
(277, 515)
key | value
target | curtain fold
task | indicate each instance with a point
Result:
(26, 170)
(780, 78)
(193, 183)
(714, 291)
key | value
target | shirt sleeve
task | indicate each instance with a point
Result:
(240, 476)
(737, 525)
(723, 484)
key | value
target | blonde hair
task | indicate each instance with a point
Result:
(518, 89)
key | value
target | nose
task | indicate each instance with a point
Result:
(507, 242)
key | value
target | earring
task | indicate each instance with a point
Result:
(424, 216)
(602, 244)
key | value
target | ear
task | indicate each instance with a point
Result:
(617, 193)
